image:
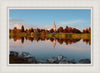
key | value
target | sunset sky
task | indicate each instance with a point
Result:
(43, 18)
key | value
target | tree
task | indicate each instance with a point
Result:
(26, 30)
(32, 30)
(74, 30)
(70, 30)
(60, 29)
(47, 31)
(38, 30)
(84, 31)
(66, 27)
(57, 31)
(9, 30)
(22, 28)
(51, 30)
(42, 30)
(89, 30)
(65, 30)
(15, 29)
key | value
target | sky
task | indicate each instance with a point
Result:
(43, 18)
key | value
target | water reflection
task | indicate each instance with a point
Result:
(53, 40)
(45, 47)
(88, 41)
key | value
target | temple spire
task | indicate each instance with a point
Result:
(54, 22)
(54, 26)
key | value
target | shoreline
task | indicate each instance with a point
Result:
(26, 58)
(54, 35)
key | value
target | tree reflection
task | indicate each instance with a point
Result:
(22, 40)
(51, 39)
(60, 41)
(43, 38)
(88, 41)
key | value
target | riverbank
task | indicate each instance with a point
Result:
(54, 35)
(69, 35)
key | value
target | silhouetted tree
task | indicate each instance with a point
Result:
(60, 29)
(65, 30)
(15, 29)
(69, 30)
(76, 30)
(9, 30)
(22, 40)
(47, 31)
(22, 28)
(57, 31)
(89, 30)
(66, 27)
(84, 31)
(32, 30)
(38, 30)
(51, 30)
(26, 30)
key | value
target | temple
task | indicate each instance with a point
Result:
(54, 26)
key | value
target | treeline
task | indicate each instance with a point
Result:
(87, 30)
(59, 30)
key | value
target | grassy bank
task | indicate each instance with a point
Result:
(54, 35)
(69, 35)
(20, 34)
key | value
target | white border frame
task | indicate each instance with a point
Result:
(95, 4)
(91, 25)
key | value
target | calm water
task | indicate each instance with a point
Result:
(44, 48)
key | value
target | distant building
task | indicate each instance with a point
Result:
(54, 26)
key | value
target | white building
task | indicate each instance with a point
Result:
(53, 26)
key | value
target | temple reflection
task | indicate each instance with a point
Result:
(54, 44)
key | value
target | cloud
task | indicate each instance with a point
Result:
(64, 23)
(75, 24)
(71, 22)
(19, 23)
(15, 20)
(16, 25)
